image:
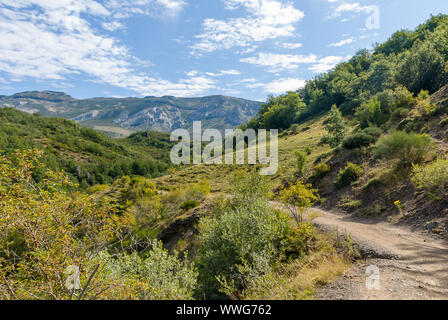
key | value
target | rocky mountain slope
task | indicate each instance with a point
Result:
(122, 116)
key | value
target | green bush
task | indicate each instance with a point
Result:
(336, 128)
(432, 178)
(321, 170)
(166, 276)
(358, 140)
(301, 159)
(189, 204)
(373, 131)
(409, 148)
(244, 242)
(373, 183)
(349, 174)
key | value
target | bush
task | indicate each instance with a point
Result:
(189, 204)
(162, 275)
(409, 148)
(349, 174)
(336, 128)
(373, 131)
(443, 122)
(321, 170)
(301, 158)
(358, 140)
(432, 178)
(244, 242)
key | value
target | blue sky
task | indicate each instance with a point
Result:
(244, 48)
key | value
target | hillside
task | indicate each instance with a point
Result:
(120, 117)
(89, 156)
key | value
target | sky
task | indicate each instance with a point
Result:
(186, 48)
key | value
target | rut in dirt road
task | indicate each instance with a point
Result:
(412, 266)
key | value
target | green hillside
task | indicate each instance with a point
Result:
(88, 156)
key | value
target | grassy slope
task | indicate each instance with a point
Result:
(310, 133)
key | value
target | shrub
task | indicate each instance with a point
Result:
(308, 150)
(160, 275)
(189, 204)
(243, 243)
(321, 170)
(349, 174)
(409, 148)
(358, 140)
(44, 230)
(295, 128)
(301, 158)
(372, 183)
(297, 198)
(443, 122)
(432, 178)
(336, 128)
(411, 124)
(373, 131)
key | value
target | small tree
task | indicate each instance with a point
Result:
(301, 162)
(335, 127)
(297, 199)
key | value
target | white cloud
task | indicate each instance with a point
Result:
(51, 39)
(268, 19)
(342, 43)
(231, 72)
(288, 45)
(221, 73)
(326, 64)
(277, 62)
(155, 8)
(279, 86)
(112, 26)
(351, 7)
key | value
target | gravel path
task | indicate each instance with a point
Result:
(411, 265)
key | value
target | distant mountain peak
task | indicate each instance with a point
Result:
(122, 116)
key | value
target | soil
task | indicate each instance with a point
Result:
(412, 265)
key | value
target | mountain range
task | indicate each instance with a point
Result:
(122, 116)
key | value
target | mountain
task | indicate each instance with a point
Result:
(122, 116)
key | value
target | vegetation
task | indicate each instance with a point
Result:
(358, 140)
(349, 174)
(408, 148)
(88, 156)
(321, 170)
(432, 178)
(297, 198)
(301, 159)
(336, 128)
(241, 246)
(278, 112)
(236, 245)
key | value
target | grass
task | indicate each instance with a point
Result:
(301, 279)
(289, 143)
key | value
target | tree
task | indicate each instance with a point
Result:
(422, 68)
(278, 112)
(336, 128)
(301, 158)
(297, 199)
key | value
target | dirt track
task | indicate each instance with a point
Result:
(411, 265)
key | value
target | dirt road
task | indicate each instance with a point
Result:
(411, 265)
